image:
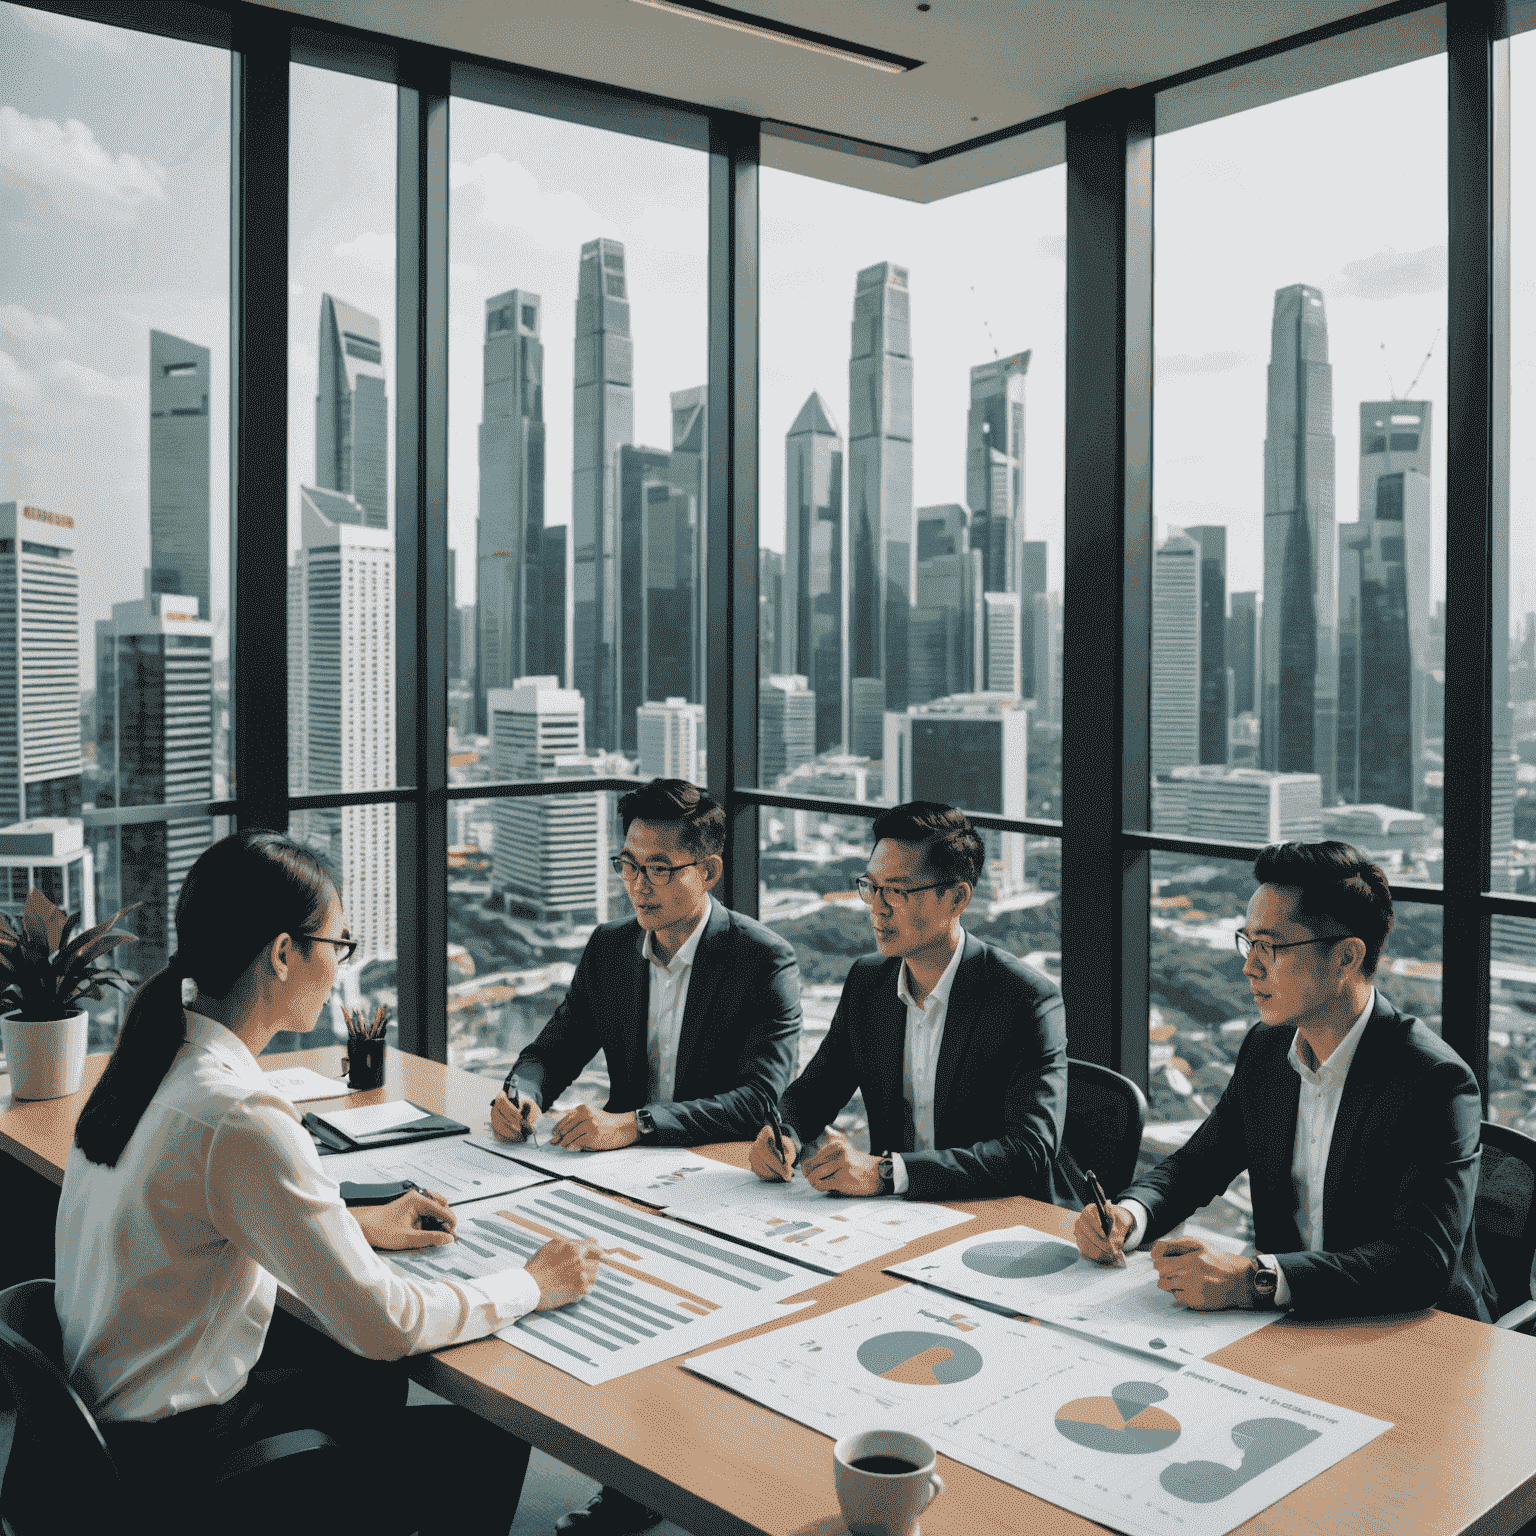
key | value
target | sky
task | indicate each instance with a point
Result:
(114, 219)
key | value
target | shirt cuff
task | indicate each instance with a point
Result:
(1139, 1219)
(1282, 1287)
(512, 1292)
(898, 1174)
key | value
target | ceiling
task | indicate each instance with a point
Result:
(987, 64)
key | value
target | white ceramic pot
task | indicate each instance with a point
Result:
(45, 1059)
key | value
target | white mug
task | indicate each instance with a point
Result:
(879, 1503)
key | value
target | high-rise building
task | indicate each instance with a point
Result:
(646, 499)
(551, 852)
(866, 716)
(510, 530)
(555, 613)
(1004, 623)
(690, 474)
(814, 570)
(47, 852)
(1238, 805)
(947, 655)
(1298, 700)
(179, 468)
(786, 727)
(1215, 708)
(604, 420)
(1031, 587)
(771, 622)
(1176, 653)
(1243, 651)
(1394, 436)
(352, 410)
(349, 691)
(1048, 665)
(671, 740)
(40, 757)
(882, 551)
(994, 469)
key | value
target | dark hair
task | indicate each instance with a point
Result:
(952, 847)
(1335, 882)
(240, 894)
(700, 821)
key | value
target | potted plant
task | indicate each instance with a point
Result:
(45, 974)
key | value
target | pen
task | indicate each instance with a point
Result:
(524, 1106)
(778, 1135)
(1104, 1217)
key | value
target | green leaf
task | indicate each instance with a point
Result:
(100, 928)
(36, 917)
(99, 946)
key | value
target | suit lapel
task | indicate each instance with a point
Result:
(1272, 1143)
(636, 984)
(966, 997)
(888, 1046)
(1359, 1087)
(704, 981)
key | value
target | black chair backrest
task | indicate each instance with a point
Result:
(1506, 1212)
(59, 1476)
(1106, 1114)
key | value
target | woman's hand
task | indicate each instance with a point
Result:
(418, 1219)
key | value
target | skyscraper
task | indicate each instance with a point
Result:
(604, 420)
(671, 740)
(352, 410)
(1004, 623)
(178, 468)
(947, 616)
(40, 757)
(814, 595)
(1176, 653)
(1214, 707)
(510, 530)
(882, 552)
(1298, 701)
(994, 468)
(689, 470)
(786, 727)
(1032, 586)
(1243, 651)
(555, 614)
(771, 620)
(651, 512)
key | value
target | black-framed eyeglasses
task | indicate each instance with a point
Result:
(1267, 949)
(345, 948)
(658, 874)
(893, 895)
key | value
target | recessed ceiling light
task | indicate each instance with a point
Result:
(783, 32)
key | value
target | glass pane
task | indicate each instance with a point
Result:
(1512, 1025)
(1299, 565)
(911, 541)
(577, 439)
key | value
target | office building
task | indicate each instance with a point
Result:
(1048, 663)
(786, 727)
(40, 756)
(771, 622)
(1176, 654)
(352, 410)
(994, 469)
(555, 610)
(670, 734)
(1237, 805)
(642, 481)
(1243, 652)
(1031, 587)
(814, 571)
(689, 469)
(604, 421)
(510, 530)
(1394, 437)
(1004, 622)
(1298, 699)
(1215, 706)
(48, 852)
(550, 859)
(947, 615)
(866, 716)
(178, 468)
(882, 552)
(298, 695)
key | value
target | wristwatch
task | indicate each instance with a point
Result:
(644, 1123)
(1262, 1282)
(887, 1175)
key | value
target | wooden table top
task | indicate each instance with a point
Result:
(1461, 1396)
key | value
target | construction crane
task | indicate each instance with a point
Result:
(1392, 388)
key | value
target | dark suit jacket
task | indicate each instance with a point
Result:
(1001, 1086)
(739, 1041)
(1399, 1188)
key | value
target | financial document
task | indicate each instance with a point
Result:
(299, 1084)
(448, 1166)
(1136, 1445)
(655, 1175)
(662, 1288)
(1028, 1271)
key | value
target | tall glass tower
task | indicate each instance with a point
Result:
(352, 410)
(178, 468)
(882, 550)
(1298, 704)
(604, 404)
(994, 468)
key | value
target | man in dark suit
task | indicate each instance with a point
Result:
(1358, 1126)
(695, 1008)
(959, 1049)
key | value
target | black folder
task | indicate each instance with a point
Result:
(330, 1138)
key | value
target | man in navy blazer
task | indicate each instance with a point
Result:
(959, 1049)
(1359, 1127)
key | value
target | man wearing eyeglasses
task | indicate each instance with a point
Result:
(1358, 1126)
(959, 1049)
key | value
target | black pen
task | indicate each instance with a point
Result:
(1105, 1220)
(777, 1126)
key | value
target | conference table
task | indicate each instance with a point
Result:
(1461, 1396)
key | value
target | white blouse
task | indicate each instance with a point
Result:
(168, 1264)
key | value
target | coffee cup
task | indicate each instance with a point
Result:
(885, 1480)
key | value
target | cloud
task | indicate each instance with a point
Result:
(512, 199)
(375, 253)
(17, 386)
(1053, 248)
(1180, 365)
(22, 325)
(76, 379)
(74, 32)
(64, 170)
(1392, 274)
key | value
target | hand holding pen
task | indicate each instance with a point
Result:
(1101, 1229)
(773, 1155)
(514, 1114)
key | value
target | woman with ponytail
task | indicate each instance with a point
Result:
(192, 1191)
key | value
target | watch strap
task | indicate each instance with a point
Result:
(644, 1122)
(887, 1174)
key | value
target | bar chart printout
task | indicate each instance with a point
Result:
(662, 1289)
(449, 1166)
(1136, 1445)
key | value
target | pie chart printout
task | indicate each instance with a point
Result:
(918, 1359)
(1019, 1261)
(1125, 1423)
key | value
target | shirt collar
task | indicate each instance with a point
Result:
(690, 945)
(941, 988)
(1336, 1068)
(209, 1035)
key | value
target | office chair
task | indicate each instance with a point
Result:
(61, 1478)
(1505, 1214)
(1105, 1117)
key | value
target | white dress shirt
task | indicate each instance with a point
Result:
(668, 997)
(1322, 1089)
(168, 1264)
(920, 1056)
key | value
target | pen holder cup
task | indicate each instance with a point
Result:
(365, 1063)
